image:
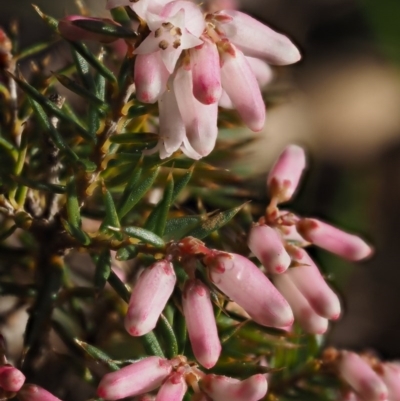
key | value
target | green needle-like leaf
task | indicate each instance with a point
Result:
(145, 235)
(97, 354)
(103, 269)
(168, 335)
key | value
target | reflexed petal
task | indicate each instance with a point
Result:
(242, 87)
(312, 285)
(189, 151)
(173, 389)
(200, 120)
(149, 297)
(206, 73)
(257, 40)
(200, 321)
(304, 314)
(151, 77)
(243, 282)
(332, 239)
(149, 45)
(267, 246)
(361, 377)
(137, 378)
(194, 20)
(285, 174)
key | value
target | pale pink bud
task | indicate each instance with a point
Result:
(31, 392)
(241, 85)
(222, 388)
(262, 71)
(11, 379)
(70, 31)
(173, 389)
(206, 71)
(304, 314)
(149, 297)
(391, 378)
(285, 174)
(243, 282)
(135, 379)
(312, 285)
(200, 120)
(200, 322)
(361, 377)
(332, 239)
(150, 78)
(257, 40)
(267, 246)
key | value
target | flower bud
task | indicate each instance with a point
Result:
(135, 379)
(241, 86)
(222, 388)
(255, 39)
(200, 322)
(285, 174)
(332, 239)
(361, 377)
(31, 392)
(173, 389)
(313, 287)
(304, 314)
(70, 31)
(267, 246)
(206, 72)
(243, 282)
(11, 379)
(149, 297)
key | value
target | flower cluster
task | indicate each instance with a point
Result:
(369, 379)
(278, 241)
(190, 62)
(173, 377)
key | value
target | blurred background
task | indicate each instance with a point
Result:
(342, 102)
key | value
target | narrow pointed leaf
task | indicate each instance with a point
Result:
(158, 217)
(145, 235)
(239, 369)
(167, 333)
(93, 61)
(50, 21)
(83, 69)
(42, 186)
(179, 227)
(105, 27)
(137, 192)
(147, 139)
(214, 223)
(125, 75)
(111, 218)
(180, 331)
(103, 269)
(127, 253)
(120, 15)
(97, 354)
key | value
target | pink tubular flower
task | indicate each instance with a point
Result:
(11, 379)
(200, 321)
(200, 120)
(261, 70)
(267, 246)
(222, 388)
(173, 389)
(135, 379)
(391, 378)
(31, 392)
(304, 314)
(243, 282)
(284, 176)
(313, 287)
(241, 86)
(360, 376)
(255, 39)
(332, 239)
(149, 297)
(150, 78)
(70, 31)
(204, 60)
